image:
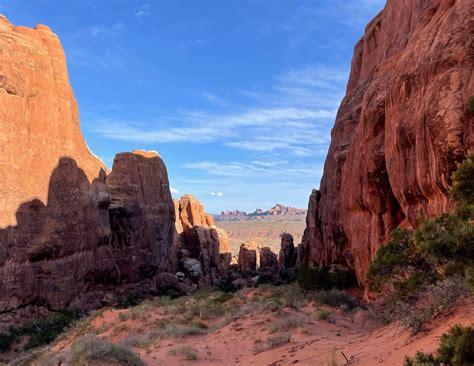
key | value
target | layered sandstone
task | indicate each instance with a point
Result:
(399, 131)
(70, 236)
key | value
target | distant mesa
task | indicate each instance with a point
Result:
(276, 212)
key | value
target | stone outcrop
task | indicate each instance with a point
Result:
(141, 213)
(70, 235)
(268, 260)
(196, 232)
(91, 244)
(288, 254)
(249, 254)
(399, 131)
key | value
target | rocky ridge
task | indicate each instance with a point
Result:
(277, 211)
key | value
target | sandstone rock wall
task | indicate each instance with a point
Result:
(70, 236)
(38, 117)
(399, 131)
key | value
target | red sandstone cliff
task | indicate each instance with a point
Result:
(71, 235)
(399, 131)
(38, 117)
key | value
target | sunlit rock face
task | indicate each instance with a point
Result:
(196, 232)
(39, 121)
(70, 235)
(399, 131)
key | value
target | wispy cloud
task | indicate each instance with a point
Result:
(83, 58)
(107, 31)
(293, 117)
(143, 11)
(174, 191)
(217, 194)
(251, 170)
(211, 97)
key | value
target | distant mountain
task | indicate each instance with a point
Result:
(276, 212)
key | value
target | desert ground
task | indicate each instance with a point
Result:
(265, 326)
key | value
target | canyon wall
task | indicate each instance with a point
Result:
(73, 234)
(399, 132)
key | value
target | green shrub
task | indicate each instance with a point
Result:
(90, 348)
(394, 260)
(132, 299)
(323, 279)
(470, 104)
(6, 341)
(456, 349)
(446, 238)
(324, 315)
(335, 298)
(39, 331)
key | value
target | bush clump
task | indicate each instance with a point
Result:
(324, 279)
(39, 331)
(417, 264)
(335, 299)
(456, 348)
(470, 105)
(91, 348)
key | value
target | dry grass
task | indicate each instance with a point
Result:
(288, 322)
(186, 352)
(272, 342)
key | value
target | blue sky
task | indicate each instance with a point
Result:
(238, 97)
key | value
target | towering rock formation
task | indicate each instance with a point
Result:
(69, 234)
(38, 117)
(399, 132)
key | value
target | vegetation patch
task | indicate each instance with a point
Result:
(456, 348)
(39, 331)
(186, 352)
(323, 279)
(335, 299)
(273, 341)
(287, 322)
(428, 269)
(91, 348)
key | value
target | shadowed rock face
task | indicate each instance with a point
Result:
(70, 236)
(399, 131)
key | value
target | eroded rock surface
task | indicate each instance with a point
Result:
(249, 255)
(196, 232)
(70, 236)
(399, 131)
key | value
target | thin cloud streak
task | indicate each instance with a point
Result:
(294, 118)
